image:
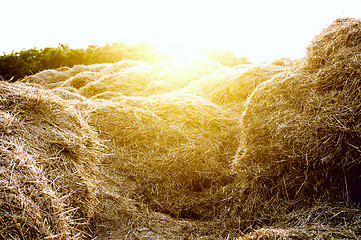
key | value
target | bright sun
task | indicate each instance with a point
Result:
(178, 50)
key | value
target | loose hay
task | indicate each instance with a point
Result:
(53, 78)
(29, 207)
(48, 157)
(300, 138)
(172, 148)
(121, 66)
(50, 78)
(81, 79)
(146, 80)
(128, 82)
(178, 73)
(295, 175)
(230, 87)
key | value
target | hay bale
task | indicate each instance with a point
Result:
(50, 153)
(230, 87)
(301, 129)
(167, 146)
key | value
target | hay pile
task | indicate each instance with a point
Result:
(178, 73)
(81, 79)
(48, 157)
(323, 221)
(130, 81)
(180, 162)
(167, 150)
(131, 78)
(146, 80)
(300, 140)
(230, 87)
(121, 217)
(113, 68)
(65, 76)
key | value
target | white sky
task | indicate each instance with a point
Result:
(260, 30)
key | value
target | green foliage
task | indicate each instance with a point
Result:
(16, 65)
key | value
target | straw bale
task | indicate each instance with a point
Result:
(231, 86)
(51, 154)
(300, 138)
(167, 146)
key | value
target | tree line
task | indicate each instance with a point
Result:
(17, 65)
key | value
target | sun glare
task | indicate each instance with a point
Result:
(178, 51)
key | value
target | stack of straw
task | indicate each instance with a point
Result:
(300, 139)
(48, 161)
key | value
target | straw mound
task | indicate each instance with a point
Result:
(113, 68)
(49, 77)
(231, 87)
(88, 68)
(301, 130)
(324, 221)
(68, 93)
(48, 162)
(120, 217)
(57, 77)
(178, 73)
(285, 62)
(126, 77)
(28, 205)
(146, 80)
(171, 135)
(328, 47)
(81, 79)
(129, 81)
(167, 150)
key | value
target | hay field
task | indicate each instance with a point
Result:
(187, 149)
